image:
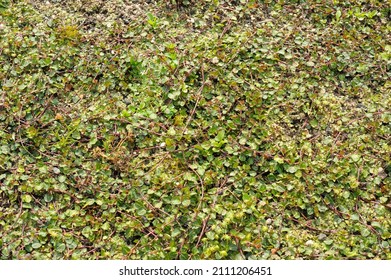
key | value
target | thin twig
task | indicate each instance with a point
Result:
(197, 101)
(205, 221)
(202, 187)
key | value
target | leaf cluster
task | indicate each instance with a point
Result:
(222, 130)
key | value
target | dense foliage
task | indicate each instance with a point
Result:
(208, 130)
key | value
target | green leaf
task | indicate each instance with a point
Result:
(170, 144)
(32, 132)
(27, 198)
(176, 232)
(292, 169)
(355, 217)
(278, 159)
(246, 197)
(328, 241)
(60, 248)
(220, 136)
(338, 14)
(314, 123)
(54, 232)
(106, 226)
(356, 157)
(279, 188)
(36, 245)
(186, 202)
(176, 201)
(210, 235)
(365, 232)
(48, 197)
(87, 231)
(4, 149)
(62, 179)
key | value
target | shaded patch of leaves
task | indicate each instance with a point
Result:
(220, 130)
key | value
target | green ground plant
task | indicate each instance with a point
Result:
(220, 130)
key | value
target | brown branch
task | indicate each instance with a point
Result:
(204, 223)
(197, 101)
(239, 248)
(312, 228)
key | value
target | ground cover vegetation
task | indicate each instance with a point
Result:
(195, 130)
